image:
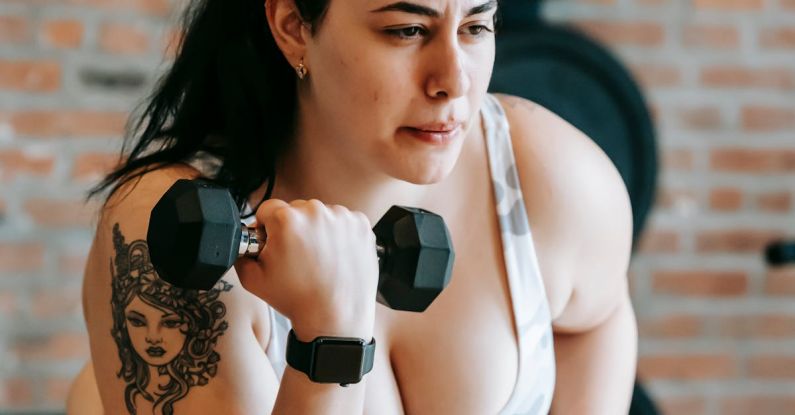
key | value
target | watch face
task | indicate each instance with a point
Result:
(338, 361)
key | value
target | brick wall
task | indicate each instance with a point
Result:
(717, 327)
(70, 72)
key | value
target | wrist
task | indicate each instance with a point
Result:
(308, 332)
(331, 359)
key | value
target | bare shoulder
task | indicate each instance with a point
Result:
(146, 189)
(579, 210)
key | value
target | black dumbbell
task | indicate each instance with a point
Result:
(195, 236)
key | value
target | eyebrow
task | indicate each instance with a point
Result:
(135, 314)
(406, 7)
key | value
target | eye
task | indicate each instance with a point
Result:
(408, 32)
(172, 324)
(477, 30)
(136, 322)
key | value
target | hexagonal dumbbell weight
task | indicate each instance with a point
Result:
(195, 236)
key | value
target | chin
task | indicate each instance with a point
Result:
(429, 175)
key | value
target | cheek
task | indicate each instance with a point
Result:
(174, 337)
(359, 79)
(137, 335)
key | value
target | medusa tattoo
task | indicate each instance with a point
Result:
(166, 335)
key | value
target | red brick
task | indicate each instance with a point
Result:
(780, 202)
(671, 326)
(744, 77)
(21, 256)
(69, 123)
(729, 5)
(30, 75)
(753, 160)
(50, 213)
(8, 304)
(725, 199)
(669, 198)
(14, 163)
(713, 36)
(751, 241)
(72, 263)
(64, 34)
(637, 33)
(677, 159)
(151, 7)
(701, 283)
(777, 38)
(766, 118)
(14, 29)
(688, 366)
(123, 39)
(691, 405)
(93, 166)
(772, 404)
(788, 5)
(50, 303)
(780, 281)
(772, 367)
(758, 326)
(659, 241)
(700, 118)
(656, 75)
(59, 346)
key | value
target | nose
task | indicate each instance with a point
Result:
(153, 336)
(447, 77)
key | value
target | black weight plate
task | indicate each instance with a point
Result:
(584, 84)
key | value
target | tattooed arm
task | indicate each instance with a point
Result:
(157, 349)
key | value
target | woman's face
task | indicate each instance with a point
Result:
(381, 67)
(156, 335)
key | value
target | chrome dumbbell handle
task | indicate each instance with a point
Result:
(250, 243)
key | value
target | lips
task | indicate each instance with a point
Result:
(438, 127)
(155, 351)
(438, 138)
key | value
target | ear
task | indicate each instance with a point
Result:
(287, 28)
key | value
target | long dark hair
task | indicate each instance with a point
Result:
(230, 92)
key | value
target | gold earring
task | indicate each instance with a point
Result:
(301, 70)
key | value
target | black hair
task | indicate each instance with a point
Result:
(230, 92)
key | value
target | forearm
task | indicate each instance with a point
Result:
(299, 395)
(596, 368)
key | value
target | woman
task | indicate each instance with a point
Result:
(172, 332)
(320, 115)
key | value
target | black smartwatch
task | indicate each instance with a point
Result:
(328, 359)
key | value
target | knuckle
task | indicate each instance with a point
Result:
(284, 215)
(362, 219)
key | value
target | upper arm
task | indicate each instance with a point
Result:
(153, 344)
(580, 212)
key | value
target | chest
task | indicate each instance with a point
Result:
(461, 354)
